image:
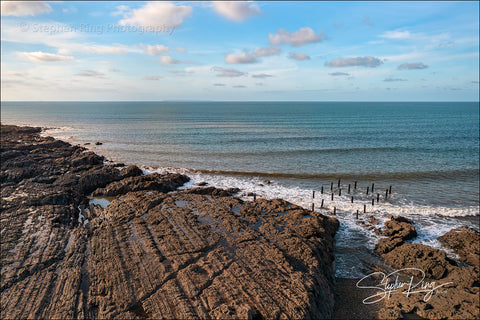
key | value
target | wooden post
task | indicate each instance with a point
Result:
(373, 185)
(339, 192)
(349, 188)
(334, 210)
(254, 197)
(321, 190)
(339, 183)
(364, 208)
(321, 206)
(331, 186)
(390, 190)
(332, 196)
(313, 206)
(351, 200)
(373, 201)
(355, 187)
(313, 195)
(378, 197)
(386, 194)
(356, 217)
(367, 190)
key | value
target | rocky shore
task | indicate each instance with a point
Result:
(82, 239)
(430, 285)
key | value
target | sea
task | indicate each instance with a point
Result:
(426, 153)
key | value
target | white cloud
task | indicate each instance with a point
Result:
(412, 66)
(100, 49)
(244, 57)
(228, 72)
(39, 56)
(156, 15)
(298, 38)
(251, 57)
(182, 72)
(299, 56)
(336, 74)
(268, 51)
(396, 34)
(155, 50)
(236, 10)
(169, 60)
(262, 75)
(182, 50)
(151, 78)
(24, 8)
(367, 61)
(121, 10)
(390, 79)
(91, 73)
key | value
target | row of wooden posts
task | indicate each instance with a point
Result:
(387, 192)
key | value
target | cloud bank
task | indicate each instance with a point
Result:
(228, 72)
(368, 61)
(39, 56)
(24, 8)
(298, 38)
(237, 11)
(412, 66)
(156, 15)
(299, 56)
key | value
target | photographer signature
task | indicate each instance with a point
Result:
(387, 286)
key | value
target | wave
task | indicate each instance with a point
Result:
(397, 204)
(415, 175)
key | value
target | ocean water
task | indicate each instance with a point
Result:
(428, 152)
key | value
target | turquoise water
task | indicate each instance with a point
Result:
(427, 152)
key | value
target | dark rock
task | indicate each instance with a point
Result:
(387, 244)
(202, 184)
(213, 191)
(402, 230)
(465, 242)
(131, 171)
(98, 143)
(155, 181)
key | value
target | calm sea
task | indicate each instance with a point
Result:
(427, 151)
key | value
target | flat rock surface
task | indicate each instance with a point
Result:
(148, 252)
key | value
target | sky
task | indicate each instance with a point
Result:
(240, 50)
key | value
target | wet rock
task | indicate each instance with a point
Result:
(202, 184)
(387, 244)
(131, 171)
(154, 181)
(396, 229)
(465, 242)
(213, 191)
(98, 143)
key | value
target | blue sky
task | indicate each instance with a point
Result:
(240, 50)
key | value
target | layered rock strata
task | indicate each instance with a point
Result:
(148, 252)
